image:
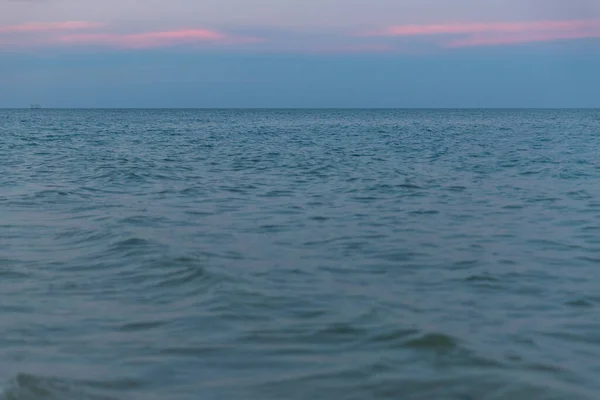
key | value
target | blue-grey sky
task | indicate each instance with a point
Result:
(310, 53)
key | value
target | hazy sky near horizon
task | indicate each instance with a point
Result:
(309, 53)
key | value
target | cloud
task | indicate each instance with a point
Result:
(490, 40)
(496, 33)
(34, 27)
(81, 34)
(55, 33)
(153, 39)
(479, 27)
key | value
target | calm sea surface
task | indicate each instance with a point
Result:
(297, 254)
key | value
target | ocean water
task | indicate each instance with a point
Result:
(299, 254)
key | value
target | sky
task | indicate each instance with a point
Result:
(300, 53)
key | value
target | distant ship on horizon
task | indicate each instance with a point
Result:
(35, 106)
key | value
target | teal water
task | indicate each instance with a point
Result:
(299, 254)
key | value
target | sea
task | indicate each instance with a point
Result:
(299, 254)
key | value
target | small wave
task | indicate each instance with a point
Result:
(393, 338)
(49, 196)
(6, 273)
(480, 278)
(182, 276)
(130, 243)
(141, 326)
(33, 387)
(513, 207)
(433, 341)
(339, 332)
(77, 238)
(580, 303)
(464, 264)
(49, 193)
(593, 260)
(409, 186)
(142, 220)
(270, 228)
(424, 212)
(399, 256)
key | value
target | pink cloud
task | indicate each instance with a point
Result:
(49, 26)
(498, 33)
(487, 40)
(49, 33)
(480, 27)
(143, 40)
(154, 39)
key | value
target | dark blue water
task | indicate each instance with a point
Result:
(156, 254)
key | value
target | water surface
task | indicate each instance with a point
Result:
(299, 254)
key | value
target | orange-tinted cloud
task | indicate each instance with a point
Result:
(55, 33)
(34, 27)
(480, 27)
(144, 40)
(451, 35)
(496, 33)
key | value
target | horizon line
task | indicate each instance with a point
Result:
(301, 108)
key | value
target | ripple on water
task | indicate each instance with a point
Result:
(580, 303)
(34, 387)
(433, 341)
(299, 254)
